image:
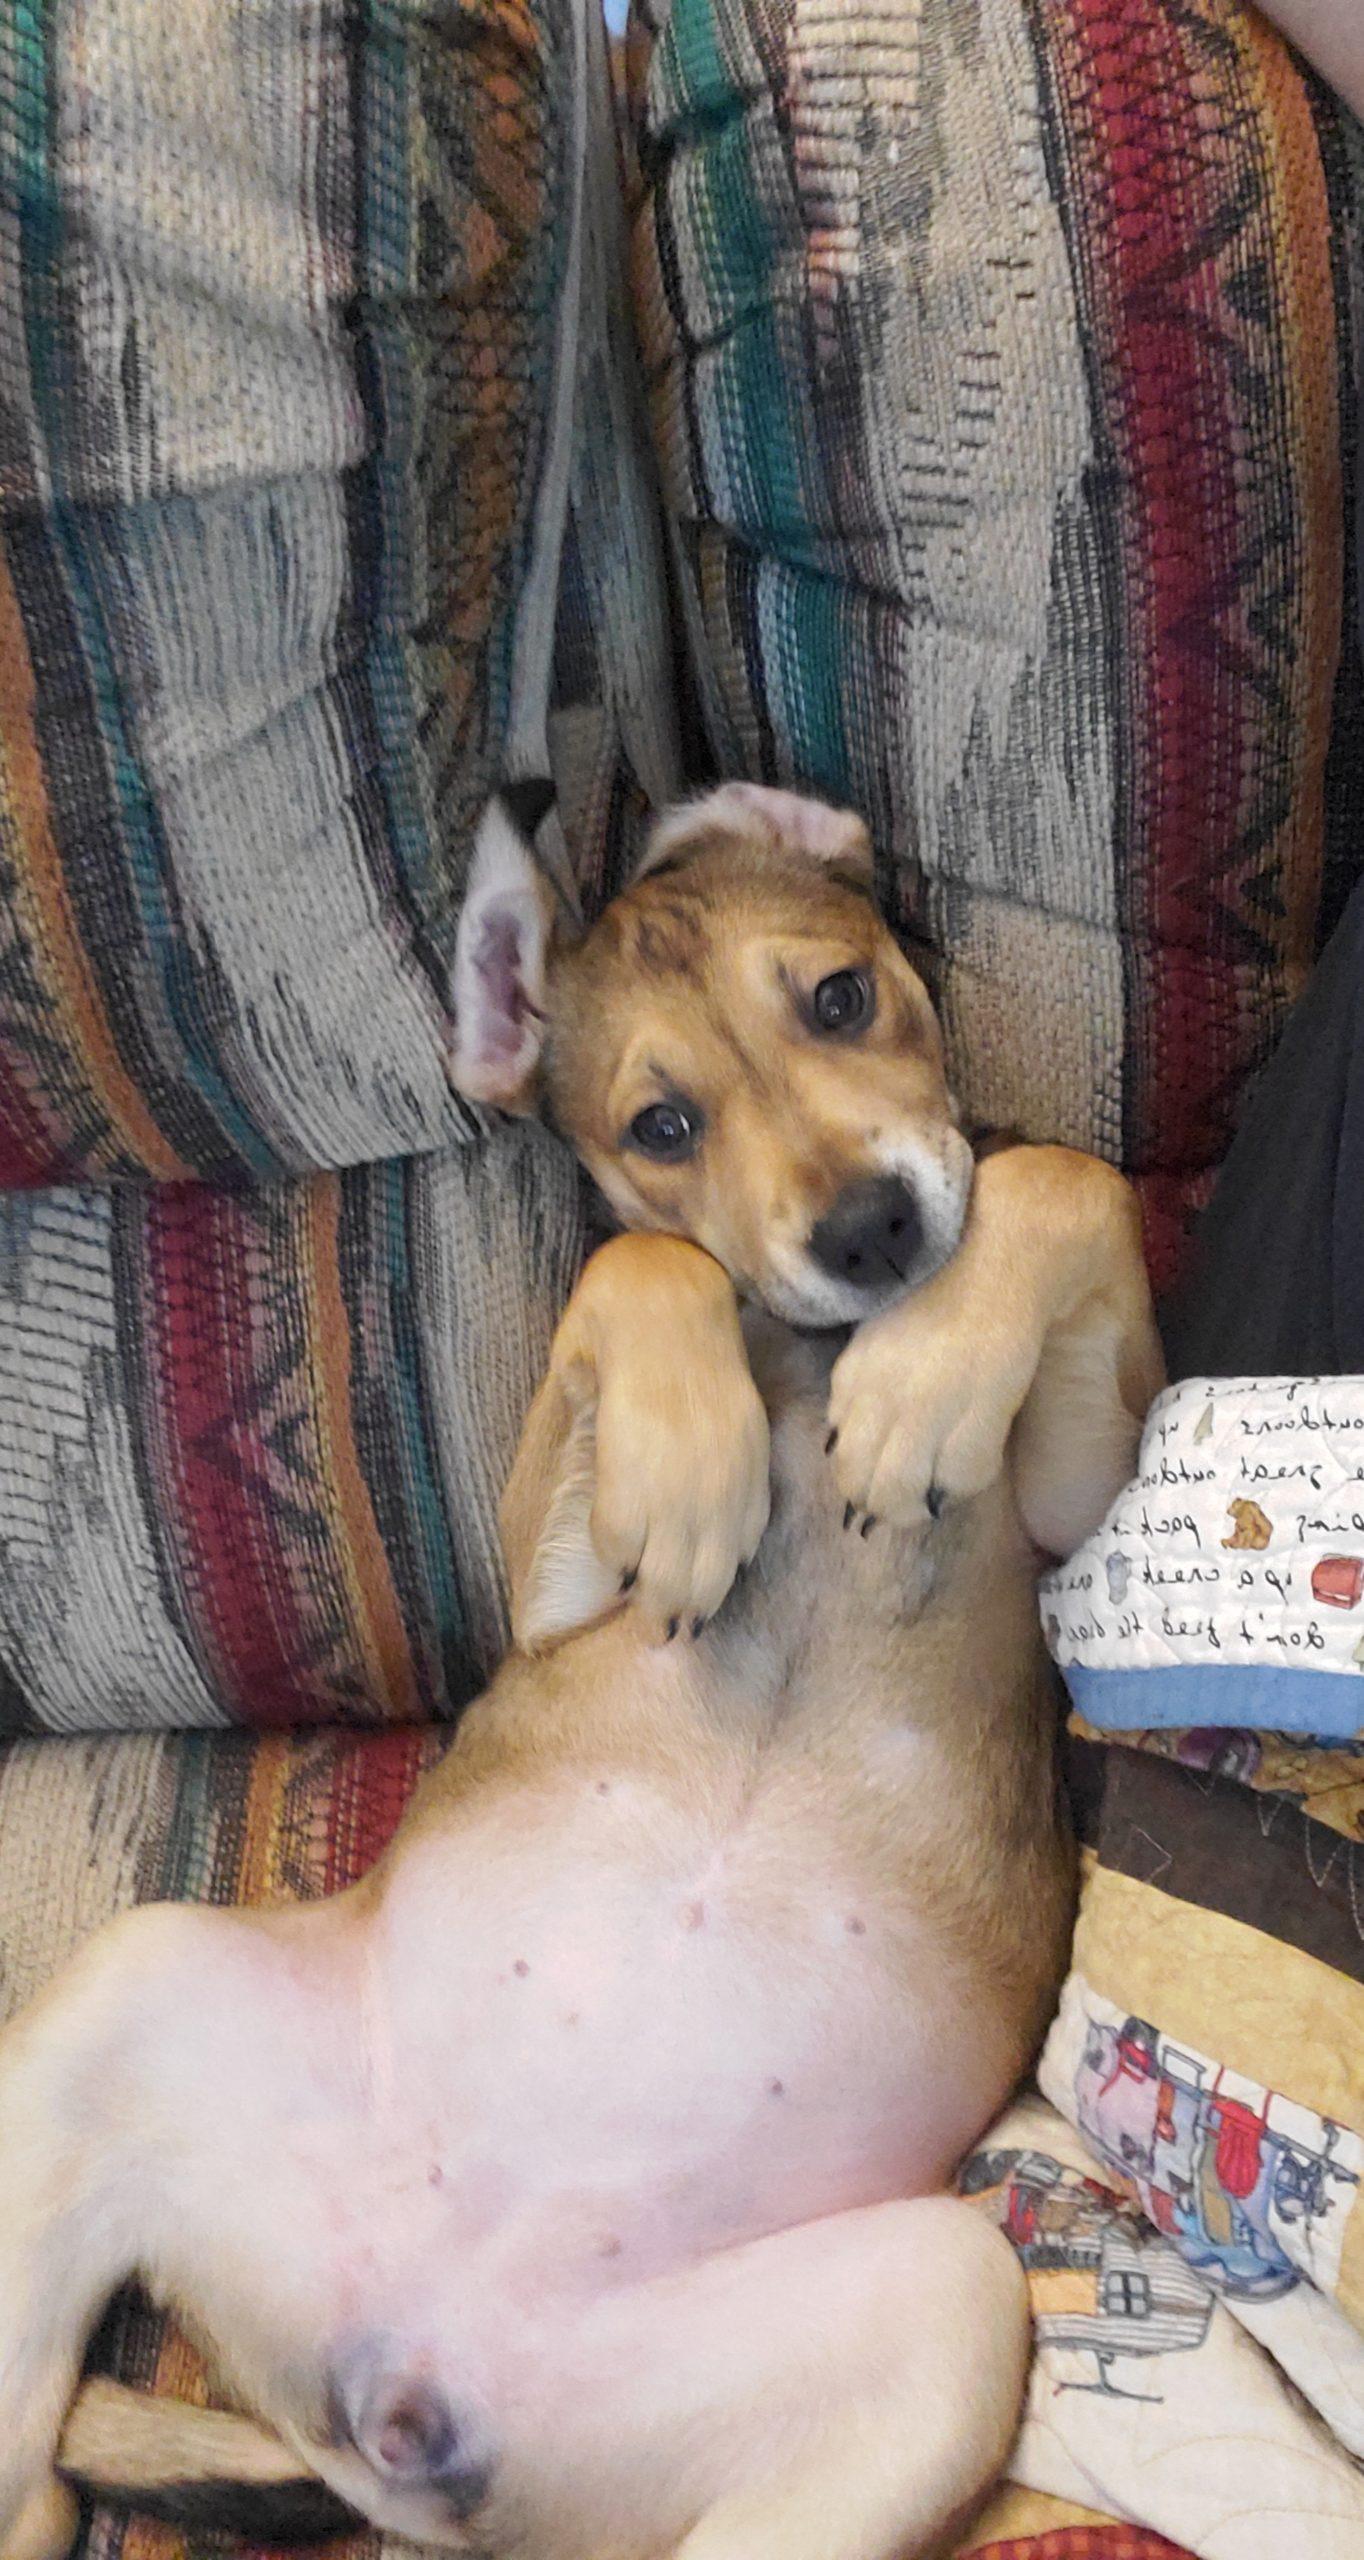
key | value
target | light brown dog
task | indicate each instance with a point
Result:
(576, 2185)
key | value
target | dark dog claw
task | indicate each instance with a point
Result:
(849, 1514)
(673, 1625)
(937, 1502)
(698, 1627)
(628, 1580)
(832, 1442)
(869, 1524)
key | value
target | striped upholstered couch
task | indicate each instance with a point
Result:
(947, 404)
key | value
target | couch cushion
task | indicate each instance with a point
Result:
(1005, 377)
(288, 328)
(252, 1442)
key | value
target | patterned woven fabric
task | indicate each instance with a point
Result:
(1005, 374)
(252, 1442)
(252, 1439)
(288, 316)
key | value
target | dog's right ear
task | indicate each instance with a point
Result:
(501, 952)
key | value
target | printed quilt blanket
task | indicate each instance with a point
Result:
(1188, 2200)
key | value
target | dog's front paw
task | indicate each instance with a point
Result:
(682, 1491)
(921, 1406)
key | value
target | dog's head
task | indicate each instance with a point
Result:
(738, 1049)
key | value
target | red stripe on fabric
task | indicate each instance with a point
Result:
(229, 1409)
(1183, 537)
(26, 1162)
(1085, 2542)
(1171, 144)
(373, 1780)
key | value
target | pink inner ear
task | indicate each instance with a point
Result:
(497, 966)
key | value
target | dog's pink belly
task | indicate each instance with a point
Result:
(591, 2065)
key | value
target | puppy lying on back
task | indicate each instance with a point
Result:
(577, 2184)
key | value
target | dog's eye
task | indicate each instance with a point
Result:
(842, 1002)
(667, 1131)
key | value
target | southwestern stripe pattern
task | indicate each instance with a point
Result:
(284, 323)
(252, 1442)
(1005, 370)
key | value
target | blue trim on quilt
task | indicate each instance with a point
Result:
(1247, 1696)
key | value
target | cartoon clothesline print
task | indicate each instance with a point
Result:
(1240, 1539)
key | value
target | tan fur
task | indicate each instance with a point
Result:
(830, 1734)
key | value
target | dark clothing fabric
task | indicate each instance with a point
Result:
(1275, 1281)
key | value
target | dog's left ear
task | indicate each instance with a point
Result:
(834, 838)
(501, 952)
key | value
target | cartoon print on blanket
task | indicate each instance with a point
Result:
(1101, 2285)
(1148, 2400)
(1255, 2190)
(1226, 1585)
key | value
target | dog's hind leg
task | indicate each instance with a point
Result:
(847, 2390)
(78, 2137)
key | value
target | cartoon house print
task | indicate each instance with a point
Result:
(1100, 2284)
(1254, 2190)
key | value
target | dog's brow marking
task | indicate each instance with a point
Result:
(668, 941)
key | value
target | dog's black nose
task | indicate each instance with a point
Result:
(871, 1235)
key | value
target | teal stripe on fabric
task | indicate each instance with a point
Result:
(807, 648)
(27, 106)
(194, 1837)
(758, 404)
(80, 545)
(692, 80)
(1248, 1697)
